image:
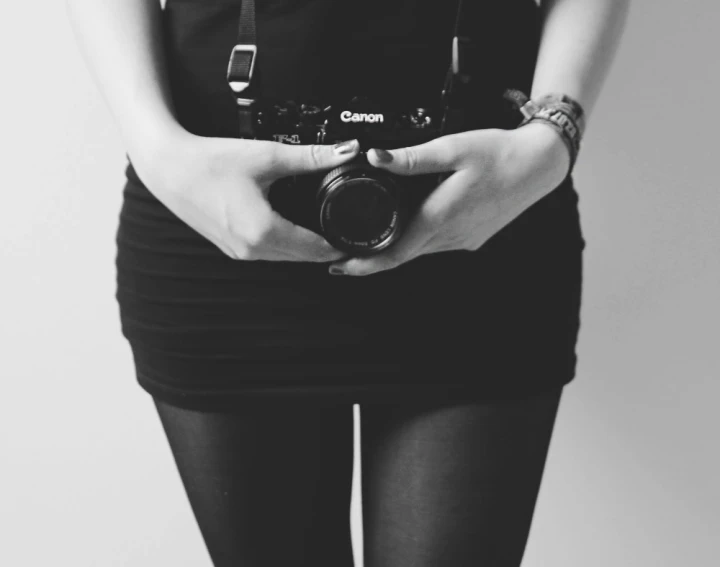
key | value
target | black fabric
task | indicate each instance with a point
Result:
(246, 23)
(207, 331)
(247, 36)
(442, 484)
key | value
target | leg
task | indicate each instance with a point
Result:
(452, 485)
(269, 484)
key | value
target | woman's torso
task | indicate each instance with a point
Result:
(318, 48)
(203, 320)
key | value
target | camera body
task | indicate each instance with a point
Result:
(357, 207)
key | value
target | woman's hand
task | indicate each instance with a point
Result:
(495, 175)
(219, 187)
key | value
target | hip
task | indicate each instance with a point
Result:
(543, 244)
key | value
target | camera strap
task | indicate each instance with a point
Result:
(241, 66)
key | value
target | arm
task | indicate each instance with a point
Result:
(121, 41)
(217, 186)
(578, 43)
(499, 173)
(579, 39)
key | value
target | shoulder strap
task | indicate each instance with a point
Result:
(241, 66)
(242, 59)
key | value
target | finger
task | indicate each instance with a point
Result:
(436, 156)
(299, 243)
(289, 160)
(418, 232)
(424, 233)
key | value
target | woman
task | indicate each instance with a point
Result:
(255, 336)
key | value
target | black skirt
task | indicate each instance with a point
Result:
(209, 332)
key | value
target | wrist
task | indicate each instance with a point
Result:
(548, 146)
(556, 110)
(154, 148)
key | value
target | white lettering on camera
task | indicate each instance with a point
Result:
(287, 138)
(347, 116)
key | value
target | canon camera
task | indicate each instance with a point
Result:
(358, 208)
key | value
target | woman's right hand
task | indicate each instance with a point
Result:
(220, 186)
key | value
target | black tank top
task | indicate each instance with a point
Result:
(396, 49)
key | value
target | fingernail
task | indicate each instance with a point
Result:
(336, 271)
(346, 147)
(383, 156)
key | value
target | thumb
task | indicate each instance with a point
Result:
(436, 156)
(293, 160)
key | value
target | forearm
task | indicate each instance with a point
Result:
(578, 44)
(121, 41)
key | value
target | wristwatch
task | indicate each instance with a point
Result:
(558, 110)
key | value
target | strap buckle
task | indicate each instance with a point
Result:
(524, 104)
(529, 109)
(241, 66)
(464, 57)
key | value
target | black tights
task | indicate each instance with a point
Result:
(443, 485)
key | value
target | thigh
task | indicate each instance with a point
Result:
(454, 483)
(269, 484)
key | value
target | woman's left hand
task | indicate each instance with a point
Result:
(494, 176)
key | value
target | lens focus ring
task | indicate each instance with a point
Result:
(361, 208)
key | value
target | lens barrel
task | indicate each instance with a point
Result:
(362, 208)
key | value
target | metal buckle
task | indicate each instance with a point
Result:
(455, 56)
(240, 69)
(463, 52)
(529, 109)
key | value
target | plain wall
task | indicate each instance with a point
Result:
(86, 476)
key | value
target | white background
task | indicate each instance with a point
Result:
(86, 476)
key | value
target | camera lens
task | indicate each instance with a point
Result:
(361, 208)
(360, 211)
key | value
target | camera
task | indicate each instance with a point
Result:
(358, 208)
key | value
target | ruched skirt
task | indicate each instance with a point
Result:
(208, 331)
